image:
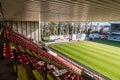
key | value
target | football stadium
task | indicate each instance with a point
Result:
(59, 40)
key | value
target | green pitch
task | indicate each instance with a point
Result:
(101, 55)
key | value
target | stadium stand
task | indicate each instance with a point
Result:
(114, 37)
(24, 52)
(114, 32)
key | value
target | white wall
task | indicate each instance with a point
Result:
(29, 29)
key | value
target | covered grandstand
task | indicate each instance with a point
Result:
(59, 39)
(114, 32)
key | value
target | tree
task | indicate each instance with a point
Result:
(53, 28)
(70, 28)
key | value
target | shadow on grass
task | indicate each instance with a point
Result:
(107, 42)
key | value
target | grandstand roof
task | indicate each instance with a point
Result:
(61, 10)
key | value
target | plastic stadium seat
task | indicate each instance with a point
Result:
(20, 54)
(66, 75)
(76, 77)
(50, 68)
(6, 33)
(32, 59)
(35, 60)
(24, 61)
(49, 65)
(36, 66)
(7, 51)
(22, 58)
(8, 56)
(73, 75)
(42, 63)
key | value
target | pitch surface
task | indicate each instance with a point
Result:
(101, 55)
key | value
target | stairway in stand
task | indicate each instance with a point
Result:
(6, 67)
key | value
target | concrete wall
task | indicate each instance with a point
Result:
(27, 28)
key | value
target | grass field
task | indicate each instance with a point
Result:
(101, 55)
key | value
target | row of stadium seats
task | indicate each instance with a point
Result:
(25, 59)
(7, 51)
(17, 38)
(36, 62)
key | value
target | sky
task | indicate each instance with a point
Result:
(101, 23)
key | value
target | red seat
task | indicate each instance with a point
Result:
(22, 58)
(6, 33)
(8, 56)
(36, 66)
(76, 77)
(34, 60)
(24, 61)
(66, 75)
(50, 70)
(8, 53)
(21, 55)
